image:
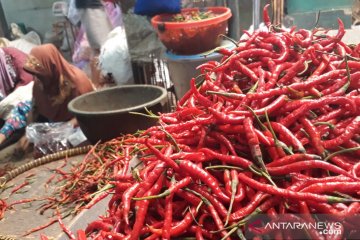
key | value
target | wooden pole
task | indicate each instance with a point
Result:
(4, 29)
(278, 11)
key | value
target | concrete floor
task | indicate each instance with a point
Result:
(23, 217)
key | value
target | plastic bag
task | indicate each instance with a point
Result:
(115, 59)
(49, 137)
(153, 7)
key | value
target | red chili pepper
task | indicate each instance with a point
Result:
(220, 208)
(111, 235)
(269, 109)
(308, 164)
(147, 183)
(202, 99)
(266, 188)
(162, 157)
(172, 190)
(223, 118)
(266, 18)
(192, 156)
(254, 53)
(229, 159)
(306, 38)
(337, 38)
(238, 188)
(253, 142)
(330, 115)
(279, 68)
(247, 71)
(52, 221)
(324, 187)
(297, 86)
(216, 219)
(352, 144)
(96, 200)
(81, 234)
(168, 119)
(221, 138)
(293, 158)
(189, 197)
(14, 190)
(260, 43)
(208, 65)
(22, 201)
(199, 228)
(296, 68)
(64, 228)
(288, 135)
(97, 226)
(350, 130)
(346, 47)
(340, 50)
(181, 226)
(43, 237)
(120, 187)
(126, 200)
(291, 118)
(227, 181)
(168, 218)
(249, 208)
(142, 208)
(280, 44)
(187, 125)
(341, 162)
(224, 51)
(197, 172)
(322, 66)
(249, 41)
(339, 87)
(264, 139)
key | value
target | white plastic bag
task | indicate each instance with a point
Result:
(49, 137)
(115, 59)
(26, 42)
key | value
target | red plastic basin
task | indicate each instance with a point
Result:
(192, 37)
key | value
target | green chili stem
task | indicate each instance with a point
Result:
(340, 152)
(330, 125)
(224, 167)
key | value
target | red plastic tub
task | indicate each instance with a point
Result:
(193, 37)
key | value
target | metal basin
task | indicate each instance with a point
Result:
(105, 114)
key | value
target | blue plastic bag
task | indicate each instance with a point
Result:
(153, 7)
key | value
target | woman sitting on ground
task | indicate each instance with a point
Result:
(56, 83)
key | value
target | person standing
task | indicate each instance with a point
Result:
(97, 27)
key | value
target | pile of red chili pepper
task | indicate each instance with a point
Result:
(273, 128)
(77, 187)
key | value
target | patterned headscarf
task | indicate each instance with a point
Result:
(58, 82)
